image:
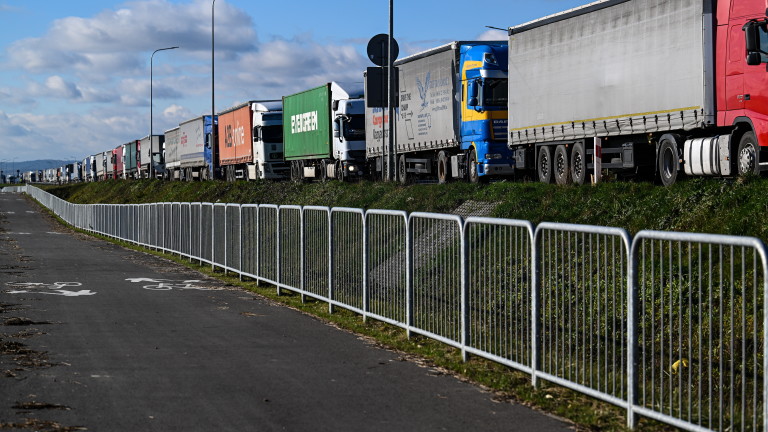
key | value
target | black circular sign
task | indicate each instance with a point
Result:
(377, 49)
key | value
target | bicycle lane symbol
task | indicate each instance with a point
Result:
(56, 288)
(169, 284)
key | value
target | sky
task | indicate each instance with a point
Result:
(75, 74)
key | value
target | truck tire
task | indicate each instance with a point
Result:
(472, 173)
(295, 172)
(339, 171)
(442, 167)
(668, 162)
(402, 170)
(748, 157)
(324, 171)
(578, 164)
(562, 166)
(544, 164)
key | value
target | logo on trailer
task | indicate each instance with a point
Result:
(306, 122)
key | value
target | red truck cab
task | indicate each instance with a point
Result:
(742, 78)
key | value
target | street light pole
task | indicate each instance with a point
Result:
(212, 140)
(151, 106)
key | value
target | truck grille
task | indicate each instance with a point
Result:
(499, 129)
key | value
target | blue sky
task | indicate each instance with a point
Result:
(74, 75)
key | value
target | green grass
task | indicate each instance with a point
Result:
(717, 206)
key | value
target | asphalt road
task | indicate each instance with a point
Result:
(102, 338)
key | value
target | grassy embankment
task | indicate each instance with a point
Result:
(698, 205)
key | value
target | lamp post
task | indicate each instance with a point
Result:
(212, 140)
(151, 106)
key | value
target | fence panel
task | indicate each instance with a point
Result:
(436, 276)
(387, 265)
(232, 240)
(581, 306)
(700, 330)
(291, 260)
(499, 294)
(316, 246)
(219, 235)
(268, 243)
(249, 240)
(347, 229)
(185, 232)
(206, 233)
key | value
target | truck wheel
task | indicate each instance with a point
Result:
(668, 161)
(339, 171)
(544, 164)
(295, 172)
(578, 164)
(402, 170)
(562, 166)
(442, 167)
(472, 174)
(749, 155)
(324, 171)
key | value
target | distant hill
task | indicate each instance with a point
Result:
(10, 168)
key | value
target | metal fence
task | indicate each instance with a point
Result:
(670, 326)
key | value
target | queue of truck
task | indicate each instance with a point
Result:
(637, 88)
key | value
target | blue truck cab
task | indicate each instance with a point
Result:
(484, 109)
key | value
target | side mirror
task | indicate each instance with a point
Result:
(473, 93)
(752, 39)
(337, 128)
(257, 133)
(754, 59)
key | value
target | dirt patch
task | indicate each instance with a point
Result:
(42, 426)
(19, 321)
(34, 405)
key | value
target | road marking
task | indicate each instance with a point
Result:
(168, 284)
(57, 288)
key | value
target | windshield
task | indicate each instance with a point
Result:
(354, 128)
(272, 134)
(495, 93)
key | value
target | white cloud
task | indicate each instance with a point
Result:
(119, 40)
(493, 34)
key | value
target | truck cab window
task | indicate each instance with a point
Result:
(763, 31)
(272, 134)
(354, 128)
(495, 93)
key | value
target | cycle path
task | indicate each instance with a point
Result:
(103, 338)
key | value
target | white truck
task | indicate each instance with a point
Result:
(250, 144)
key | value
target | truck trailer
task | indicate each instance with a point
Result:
(324, 132)
(194, 153)
(452, 115)
(171, 154)
(151, 152)
(640, 87)
(251, 141)
(130, 156)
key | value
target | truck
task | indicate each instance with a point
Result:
(194, 153)
(251, 141)
(101, 165)
(171, 155)
(117, 161)
(151, 152)
(648, 88)
(130, 157)
(324, 132)
(452, 116)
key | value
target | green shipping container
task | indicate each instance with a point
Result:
(307, 124)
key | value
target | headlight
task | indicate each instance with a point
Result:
(352, 168)
(493, 156)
